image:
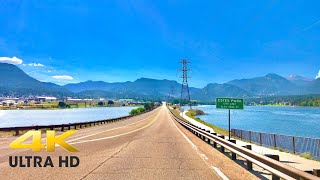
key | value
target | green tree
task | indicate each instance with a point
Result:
(100, 103)
(63, 105)
(147, 106)
(110, 102)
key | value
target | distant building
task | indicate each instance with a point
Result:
(8, 102)
(79, 100)
(125, 100)
(45, 98)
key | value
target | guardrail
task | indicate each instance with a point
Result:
(68, 126)
(294, 144)
(276, 168)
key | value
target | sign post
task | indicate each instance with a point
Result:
(229, 103)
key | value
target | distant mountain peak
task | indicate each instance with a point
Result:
(298, 78)
(17, 82)
(273, 75)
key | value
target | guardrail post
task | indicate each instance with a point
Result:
(208, 140)
(222, 148)
(214, 142)
(249, 164)
(275, 157)
(202, 136)
(62, 128)
(260, 137)
(234, 155)
(293, 145)
(250, 136)
(69, 127)
(16, 133)
(316, 172)
(275, 141)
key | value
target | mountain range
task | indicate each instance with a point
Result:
(15, 82)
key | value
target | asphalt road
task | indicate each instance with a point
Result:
(148, 146)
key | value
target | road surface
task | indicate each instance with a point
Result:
(148, 146)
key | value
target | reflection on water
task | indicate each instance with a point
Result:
(12, 118)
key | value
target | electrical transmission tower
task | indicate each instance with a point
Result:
(185, 94)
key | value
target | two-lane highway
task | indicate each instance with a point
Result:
(149, 146)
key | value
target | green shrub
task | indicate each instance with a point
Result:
(306, 155)
(137, 111)
(63, 105)
(110, 102)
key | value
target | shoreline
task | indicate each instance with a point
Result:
(37, 108)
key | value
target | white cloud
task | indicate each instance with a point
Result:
(63, 77)
(318, 75)
(35, 64)
(13, 60)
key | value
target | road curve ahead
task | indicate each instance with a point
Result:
(149, 146)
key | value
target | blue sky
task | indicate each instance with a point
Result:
(73, 41)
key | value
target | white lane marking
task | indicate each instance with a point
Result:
(109, 137)
(224, 177)
(82, 137)
(202, 156)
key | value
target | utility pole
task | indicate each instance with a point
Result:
(185, 94)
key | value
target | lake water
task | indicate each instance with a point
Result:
(12, 118)
(298, 121)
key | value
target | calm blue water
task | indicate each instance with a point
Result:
(298, 121)
(12, 118)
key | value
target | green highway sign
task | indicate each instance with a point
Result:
(229, 103)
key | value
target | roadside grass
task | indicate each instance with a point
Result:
(306, 155)
(6, 134)
(216, 129)
(177, 113)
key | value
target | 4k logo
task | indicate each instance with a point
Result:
(51, 141)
